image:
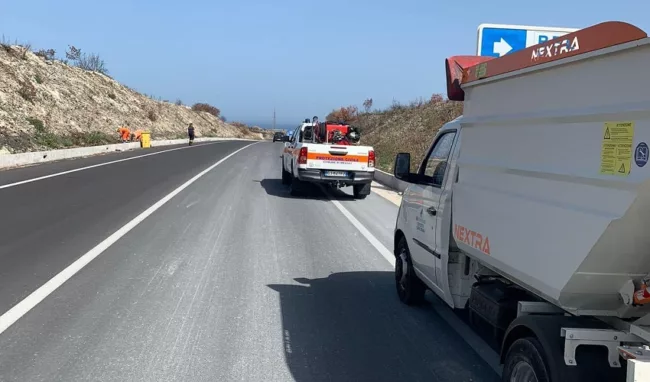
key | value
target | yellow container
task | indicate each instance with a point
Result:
(145, 140)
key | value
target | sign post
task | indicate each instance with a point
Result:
(497, 40)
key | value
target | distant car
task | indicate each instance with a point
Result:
(278, 136)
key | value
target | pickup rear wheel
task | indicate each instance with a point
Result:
(524, 362)
(410, 288)
(360, 191)
(286, 177)
(295, 187)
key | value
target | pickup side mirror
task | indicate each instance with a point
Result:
(402, 167)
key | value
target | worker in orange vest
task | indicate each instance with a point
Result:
(137, 135)
(124, 132)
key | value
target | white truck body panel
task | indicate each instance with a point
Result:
(529, 182)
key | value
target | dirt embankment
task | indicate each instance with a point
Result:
(406, 128)
(47, 104)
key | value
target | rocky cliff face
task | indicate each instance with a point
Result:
(46, 104)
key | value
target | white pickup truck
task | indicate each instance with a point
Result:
(336, 165)
(531, 211)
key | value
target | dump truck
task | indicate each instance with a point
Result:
(529, 214)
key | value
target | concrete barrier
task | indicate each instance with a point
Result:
(168, 142)
(23, 159)
(13, 160)
(390, 181)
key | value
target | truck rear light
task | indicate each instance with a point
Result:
(302, 159)
(371, 158)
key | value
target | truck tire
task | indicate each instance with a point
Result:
(410, 288)
(286, 177)
(360, 191)
(524, 362)
(295, 186)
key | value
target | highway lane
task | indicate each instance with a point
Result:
(231, 280)
(13, 175)
(48, 224)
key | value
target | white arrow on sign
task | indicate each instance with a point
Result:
(501, 47)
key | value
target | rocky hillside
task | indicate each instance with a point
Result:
(400, 128)
(45, 104)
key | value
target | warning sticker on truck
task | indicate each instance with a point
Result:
(616, 151)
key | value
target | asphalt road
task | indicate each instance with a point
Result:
(231, 280)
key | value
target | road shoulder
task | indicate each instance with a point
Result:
(386, 193)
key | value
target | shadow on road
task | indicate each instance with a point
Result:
(310, 191)
(351, 327)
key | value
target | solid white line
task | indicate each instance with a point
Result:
(465, 332)
(388, 255)
(98, 165)
(27, 304)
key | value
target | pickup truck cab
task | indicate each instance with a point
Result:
(325, 163)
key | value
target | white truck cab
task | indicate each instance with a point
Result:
(531, 210)
(425, 212)
(304, 161)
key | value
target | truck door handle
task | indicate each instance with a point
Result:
(431, 211)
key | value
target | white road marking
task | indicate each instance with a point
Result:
(98, 165)
(388, 255)
(27, 304)
(462, 329)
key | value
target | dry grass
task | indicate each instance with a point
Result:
(406, 128)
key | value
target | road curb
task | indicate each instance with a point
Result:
(36, 157)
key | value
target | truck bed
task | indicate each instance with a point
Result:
(553, 176)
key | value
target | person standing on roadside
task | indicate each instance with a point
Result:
(190, 132)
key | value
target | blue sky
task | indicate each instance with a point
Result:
(302, 57)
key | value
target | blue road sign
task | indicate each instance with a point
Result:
(497, 40)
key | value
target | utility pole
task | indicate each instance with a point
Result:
(273, 119)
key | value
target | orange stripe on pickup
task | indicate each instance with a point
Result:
(338, 158)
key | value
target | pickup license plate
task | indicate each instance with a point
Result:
(336, 173)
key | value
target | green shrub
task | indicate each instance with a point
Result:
(37, 124)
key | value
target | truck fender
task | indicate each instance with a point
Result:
(547, 330)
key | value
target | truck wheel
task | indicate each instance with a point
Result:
(360, 191)
(524, 362)
(295, 186)
(410, 288)
(286, 177)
